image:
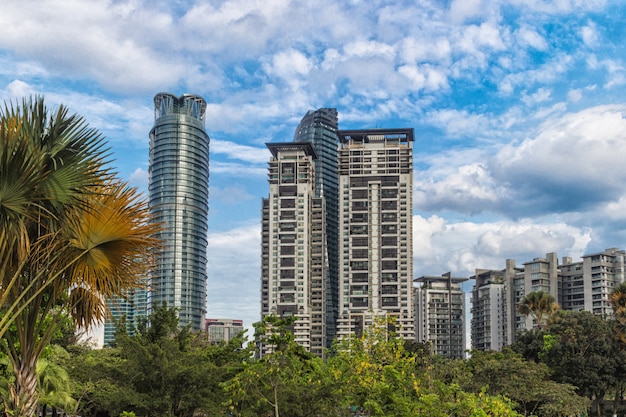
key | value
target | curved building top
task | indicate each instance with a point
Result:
(189, 104)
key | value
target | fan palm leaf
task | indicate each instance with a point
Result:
(71, 235)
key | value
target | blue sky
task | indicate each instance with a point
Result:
(519, 109)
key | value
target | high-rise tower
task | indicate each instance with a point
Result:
(375, 212)
(179, 195)
(294, 245)
(319, 128)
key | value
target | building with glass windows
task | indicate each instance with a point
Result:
(319, 128)
(376, 233)
(129, 309)
(179, 194)
(222, 330)
(293, 253)
(440, 314)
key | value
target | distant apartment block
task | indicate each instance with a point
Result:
(488, 301)
(587, 285)
(584, 285)
(440, 314)
(294, 258)
(222, 330)
(375, 235)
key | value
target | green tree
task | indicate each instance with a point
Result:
(71, 235)
(539, 305)
(527, 383)
(286, 382)
(378, 376)
(175, 372)
(581, 351)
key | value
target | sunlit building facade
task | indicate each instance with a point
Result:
(179, 194)
(440, 314)
(375, 235)
(293, 255)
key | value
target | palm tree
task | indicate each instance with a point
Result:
(71, 235)
(618, 301)
(539, 305)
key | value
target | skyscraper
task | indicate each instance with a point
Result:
(375, 237)
(294, 245)
(179, 193)
(319, 128)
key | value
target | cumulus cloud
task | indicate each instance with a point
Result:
(234, 268)
(565, 167)
(241, 152)
(462, 247)
(470, 189)
(460, 10)
(139, 179)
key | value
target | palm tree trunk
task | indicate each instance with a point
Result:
(23, 397)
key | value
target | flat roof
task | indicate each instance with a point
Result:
(367, 135)
(276, 147)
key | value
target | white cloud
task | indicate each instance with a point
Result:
(462, 247)
(241, 152)
(234, 274)
(17, 89)
(236, 170)
(139, 179)
(459, 123)
(460, 10)
(470, 188)
(527, 36)
(590, 34)
(539, 96)
(575, 95)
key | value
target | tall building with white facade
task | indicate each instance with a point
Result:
(294, 259)
(488, 300)
(540, 274)
(319, 128)
(440, 314)
(179, 201)
(375, 235)
(583, 285)
(587, 285)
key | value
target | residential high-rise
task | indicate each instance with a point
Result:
(587, 285)
(319, 128)
(440, 314)
(294, 262)
(179, 194)
(375, 236)
(488, 324)
(540, 274)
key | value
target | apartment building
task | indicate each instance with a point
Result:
(440, 314)
(375, 236)
(294, 257)
(488, 306)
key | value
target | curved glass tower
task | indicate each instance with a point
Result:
(179, 200)
(319, 128)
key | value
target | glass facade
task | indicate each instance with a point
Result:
(179, 195)
(319, 128)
